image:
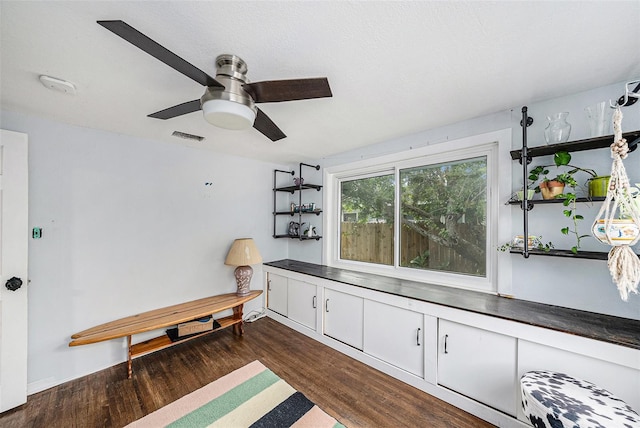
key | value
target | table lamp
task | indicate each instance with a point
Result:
(243, 253)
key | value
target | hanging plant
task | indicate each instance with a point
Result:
(618, 222)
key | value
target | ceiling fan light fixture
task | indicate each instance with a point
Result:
(228, 114)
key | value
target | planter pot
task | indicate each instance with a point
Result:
(551, 189)
(619, 232)
(530, 193)
(598, 186)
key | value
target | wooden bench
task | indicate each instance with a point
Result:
(165, 317)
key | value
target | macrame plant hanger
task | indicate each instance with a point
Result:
(624, 264)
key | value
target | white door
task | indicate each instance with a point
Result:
(394, 335)
(303, 301)
(343, 317)
(478, 363)
(277, 293)
(14, 237)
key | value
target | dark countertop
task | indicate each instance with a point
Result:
(606, 328)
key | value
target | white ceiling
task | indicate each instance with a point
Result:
(395, 67)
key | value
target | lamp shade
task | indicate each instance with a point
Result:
(243, 252)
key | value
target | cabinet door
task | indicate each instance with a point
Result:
(277, 293)
(343, 317)
(479, 364)
(303, 302)
(394, 335)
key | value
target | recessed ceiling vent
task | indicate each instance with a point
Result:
(187, 136)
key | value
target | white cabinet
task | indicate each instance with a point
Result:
(395, 335)
(277, 293)
(479, 364)
(302, 302)
(343, 317)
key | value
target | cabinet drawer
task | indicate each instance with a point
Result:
(343, 317)
(302, 303)
(479, 364)
(277, 293)
(394, 335)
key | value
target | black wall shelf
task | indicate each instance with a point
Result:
(293, 189)
(633, 139)
(525, 154)
(591, 255)
(299, 212)
(556, 201)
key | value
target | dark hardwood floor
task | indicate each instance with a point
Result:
(355, 394)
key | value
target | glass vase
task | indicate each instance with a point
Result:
(599, 116)
(558, 129)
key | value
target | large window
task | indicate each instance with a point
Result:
(429, 214)
(444, 217)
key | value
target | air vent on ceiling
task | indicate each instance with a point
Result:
(187, 136)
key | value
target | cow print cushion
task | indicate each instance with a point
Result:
(556, 400)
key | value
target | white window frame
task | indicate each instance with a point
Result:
(494, 145)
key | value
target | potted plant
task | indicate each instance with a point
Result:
(553, 188)
(598, 186)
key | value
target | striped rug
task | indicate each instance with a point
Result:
(252, 396)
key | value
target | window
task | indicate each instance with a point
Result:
(427, 214)
(367, 237)
(444, 212)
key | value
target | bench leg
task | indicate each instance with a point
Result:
(238, 329)
(129, 369)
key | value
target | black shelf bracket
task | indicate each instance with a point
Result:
(525, 160)
(630, 97)
(275, 189)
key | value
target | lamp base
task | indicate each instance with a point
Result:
(243, 276)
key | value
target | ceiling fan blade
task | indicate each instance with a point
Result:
(267, 127)
(271, 91)
(179, 110)
(159, 52)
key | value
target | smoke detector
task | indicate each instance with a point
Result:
(58, 85)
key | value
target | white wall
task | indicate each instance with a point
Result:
(580, 284)
(128, 226)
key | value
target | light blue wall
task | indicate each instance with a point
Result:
(574, 283)
(128, 226)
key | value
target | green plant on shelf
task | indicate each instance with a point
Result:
(566, 179)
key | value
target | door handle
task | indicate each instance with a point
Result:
(268, 285)
(326, 305)
(13, 284)
(418, 337)
(315, 302)
(446, 336)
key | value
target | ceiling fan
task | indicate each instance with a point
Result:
(229, 99)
